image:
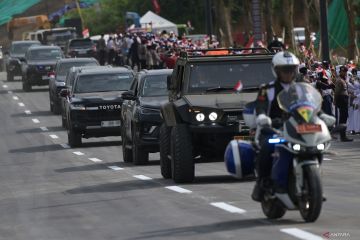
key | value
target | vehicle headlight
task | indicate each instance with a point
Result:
(296, 147)
(78, 107)
(200, 117)
(320, 147)
(213, 116)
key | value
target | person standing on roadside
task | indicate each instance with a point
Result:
(101, 46)
(342, 104)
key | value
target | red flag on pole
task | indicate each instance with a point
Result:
(156, 6)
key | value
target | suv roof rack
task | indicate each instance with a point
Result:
(222, 52)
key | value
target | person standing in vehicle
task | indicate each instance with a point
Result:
(342, 104)
(101, 47)
(284, 67)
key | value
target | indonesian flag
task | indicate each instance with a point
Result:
(156, 6)
(239, 86)
(250, 44)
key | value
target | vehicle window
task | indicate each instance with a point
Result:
(103, 82)
(45, 54)
(227, 74)
(154, 86)
(59, 36)
(65, 66)
(21, 48)
(81, 43)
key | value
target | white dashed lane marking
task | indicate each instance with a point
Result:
(178, 189)
(64, 145)
(301, 234)
(79, 153)
(28, 112)
(15, 98)
(5, 86)
(327, 159)
(44, 129)
(10, 92)
(21, 104)
(228, 207)
(115, 168)
(95, 160)
(142, 177)
(35, 120)
(53, 136)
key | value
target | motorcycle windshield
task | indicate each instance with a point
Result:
(298, 95)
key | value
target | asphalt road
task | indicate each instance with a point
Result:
(49, 191)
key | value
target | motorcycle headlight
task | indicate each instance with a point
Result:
(213, 116)
(78, 107)
(296, 147)
(200, 117)
(320, 147)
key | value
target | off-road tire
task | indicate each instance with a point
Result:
(182, 162)
(26, 86)
(165, 150)
(10, 77)
(127, 153)
(74, 138)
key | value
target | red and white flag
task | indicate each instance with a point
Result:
(239, 86)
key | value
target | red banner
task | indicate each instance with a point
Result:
(156, 6)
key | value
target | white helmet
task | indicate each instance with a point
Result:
(284, 59)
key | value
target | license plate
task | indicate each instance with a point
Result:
(82, 51)
(308, 128)
(115, 123)
(45, 78)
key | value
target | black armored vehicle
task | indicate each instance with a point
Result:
(204, 111)
(93, 104)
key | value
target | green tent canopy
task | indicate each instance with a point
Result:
(8, 8)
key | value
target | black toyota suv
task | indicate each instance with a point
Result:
(38, 65)
(57, 78)
(140, 115)
(16, 56)
(204, 111)
(80, 47)
(93, 106)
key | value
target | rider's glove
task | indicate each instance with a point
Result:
(263, 120)
(328, 119)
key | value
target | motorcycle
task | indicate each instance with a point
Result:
(295, 181)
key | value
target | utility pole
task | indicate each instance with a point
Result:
(208, 14)
(324, 31)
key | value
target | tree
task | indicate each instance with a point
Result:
(288, 22)
(223, 21)
(349, 7)
(268, 21)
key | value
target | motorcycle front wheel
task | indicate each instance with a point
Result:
(310, 202)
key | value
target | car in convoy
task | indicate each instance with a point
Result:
(69, 81)
(16, 56)
(39, 63)
(93, 105)
(204, 112)
(80, 47)
(57, 78)
(140, 115)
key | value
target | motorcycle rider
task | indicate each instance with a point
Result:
(285, 68)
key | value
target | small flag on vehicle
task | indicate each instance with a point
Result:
(239, 86)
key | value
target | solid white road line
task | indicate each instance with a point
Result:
(178, 189)
(53, 136)
(79, 153)
(10, 92)
(227, 207)
(327, 159)
(21, 104)
(298, 233)
(142, 177)
(15, 98)
(95, 160)
(44, 129)
(5, 86)
(64, 145)
(116, 168)
(35, 120)
(28, 112)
